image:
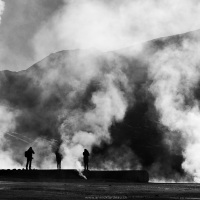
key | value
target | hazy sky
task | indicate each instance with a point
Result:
(21, 20)
(32, 29)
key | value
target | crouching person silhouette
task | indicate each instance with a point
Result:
(29, 155)
(86, 158)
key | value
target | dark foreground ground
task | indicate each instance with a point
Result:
(97, 190)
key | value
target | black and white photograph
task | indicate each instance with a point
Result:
(99, 99)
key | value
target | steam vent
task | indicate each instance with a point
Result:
(69, 175)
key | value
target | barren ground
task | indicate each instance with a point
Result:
(97, 190)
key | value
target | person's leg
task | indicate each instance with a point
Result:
(87, 165)
(84, 165)
(27, 164)
(30, 164)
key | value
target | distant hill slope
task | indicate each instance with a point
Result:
(68, 80)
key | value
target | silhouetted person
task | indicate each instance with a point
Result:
(86, 158)
(58, 158)
(29, 155)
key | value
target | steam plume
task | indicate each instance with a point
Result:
(132, 108)
(117, 24)
(2, 5)
(175, 74)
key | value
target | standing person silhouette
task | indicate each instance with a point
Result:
(29, 155)
(86, 158)
(58, 158)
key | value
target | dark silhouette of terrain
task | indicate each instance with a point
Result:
(138, 176)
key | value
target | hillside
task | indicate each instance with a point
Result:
(104, 97)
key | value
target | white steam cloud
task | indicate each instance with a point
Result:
(109, 104)
(115, 24)
(83, 128)
(175, 71)
(7, 124)
(2, 5)
(103, 25)
(107, 26)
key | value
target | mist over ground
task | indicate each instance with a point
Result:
(132, 108)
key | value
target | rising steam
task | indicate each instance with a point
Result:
(115, 24)
(175, 73)
(2, 5)
(135, 108)
(7, 124)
